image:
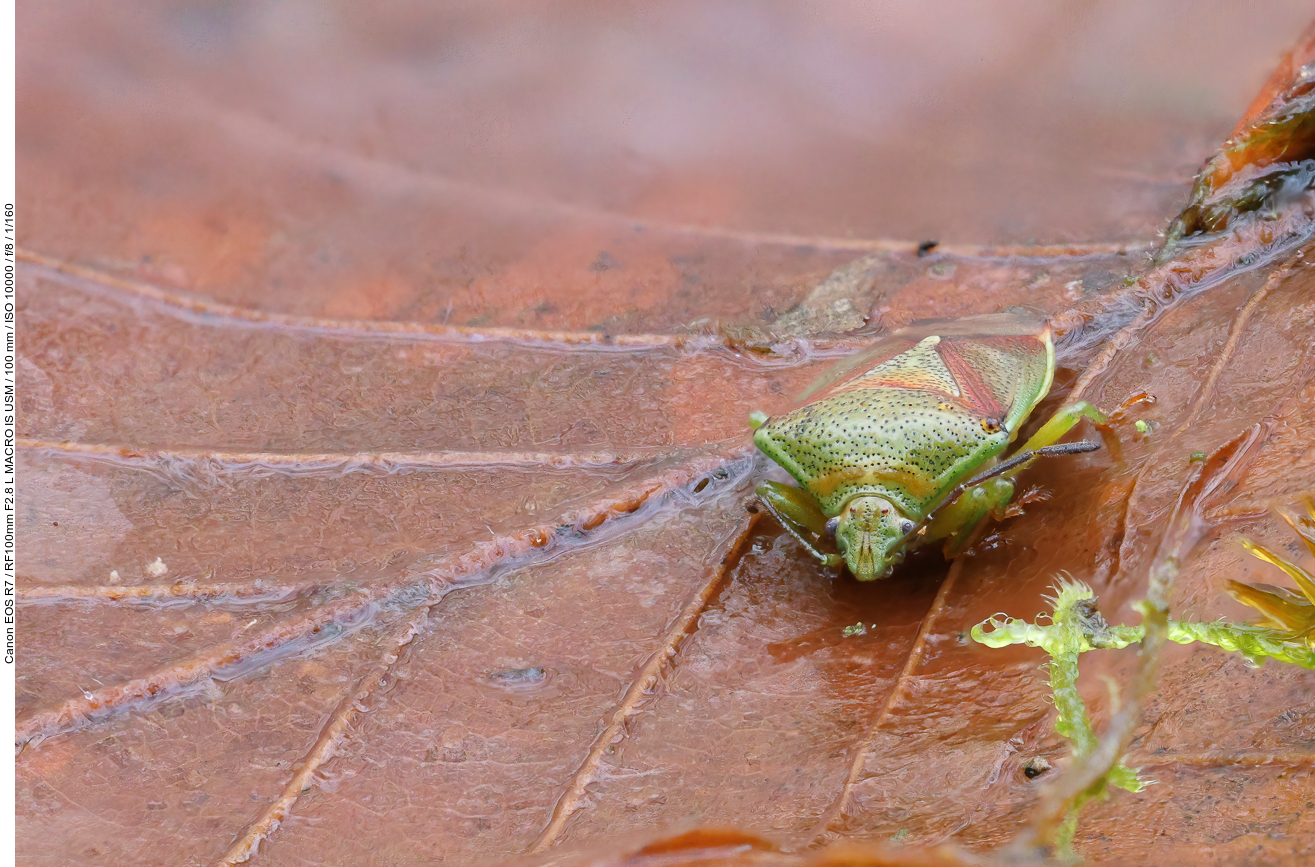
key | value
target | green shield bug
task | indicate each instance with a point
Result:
(907, 449)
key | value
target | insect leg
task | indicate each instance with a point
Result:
(957, 517)
(992, 490)
(799, 515)
(1064, 421)
(956, 513)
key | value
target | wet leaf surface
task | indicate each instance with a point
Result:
(384, 384)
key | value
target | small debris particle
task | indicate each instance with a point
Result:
(519, 677)
(1035, 767)
(1196, 457)
(114, 576)
(157, 569)
(605, 262)
(926, 247)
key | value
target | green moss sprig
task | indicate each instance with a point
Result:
(1286, 633)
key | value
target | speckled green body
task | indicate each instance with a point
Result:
(881, 450)
(913, 427)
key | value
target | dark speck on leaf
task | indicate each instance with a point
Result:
(1035, 767)
(605, 262)
(926, 247)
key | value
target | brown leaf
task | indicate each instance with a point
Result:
(384, 382)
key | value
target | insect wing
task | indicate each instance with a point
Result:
(997, 379)
(1001, 378)
(987, 327)
(848, 367)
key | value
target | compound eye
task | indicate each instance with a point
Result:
(831, 527)
(906, 527)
